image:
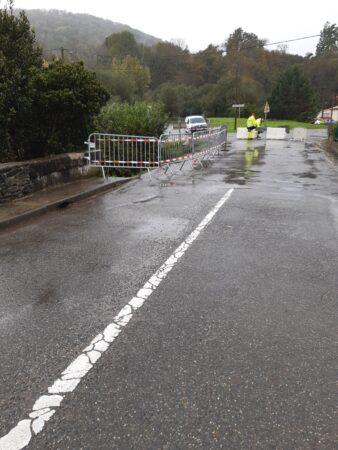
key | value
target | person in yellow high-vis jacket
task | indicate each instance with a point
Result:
(251, 124)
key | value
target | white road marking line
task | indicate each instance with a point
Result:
(45, 406)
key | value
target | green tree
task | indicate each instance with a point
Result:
(215, 103)
(122, 44)
(209, 63)
(328, 40)
(293, 97)
(247, 68)
(171, 95)
(66, 99)
(19, 55)
(241, 39)
(322, 71)
(134, 74)
(167, 62)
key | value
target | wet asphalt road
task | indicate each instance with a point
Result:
(236, 349)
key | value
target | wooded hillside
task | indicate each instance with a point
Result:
(135, 66)
(80, 34)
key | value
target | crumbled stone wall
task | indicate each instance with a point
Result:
(23, 178)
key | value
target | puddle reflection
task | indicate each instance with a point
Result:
(251, 156)
(246, 165)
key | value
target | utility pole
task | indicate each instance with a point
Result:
(63, 50)
(237, 110)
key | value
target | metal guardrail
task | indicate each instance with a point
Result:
(147, 152)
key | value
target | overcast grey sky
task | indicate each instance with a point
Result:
(200, 23)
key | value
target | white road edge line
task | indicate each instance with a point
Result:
(45, 406)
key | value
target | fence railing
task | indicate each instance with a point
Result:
(178, 149)
(209, 144)
(147, 152)
(122, 151)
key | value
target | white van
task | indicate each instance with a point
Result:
(195, 123)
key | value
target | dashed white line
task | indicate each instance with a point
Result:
(45, 407)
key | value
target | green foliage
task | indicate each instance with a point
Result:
(173, 97)
(323, 74)
(168, 62)
(249, 72)
(130, 71)
(51, 109)
(66, 99)
(121, 45)
(43, 108)
(140, 118)
(333, 132)
(209, 64)
(213, 101)
(240, 39)
(19, 55)
(293, 98)
(328, 39)
(126, 79)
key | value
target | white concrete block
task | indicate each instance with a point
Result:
(242, 133)
(276, 133)
(299, 134)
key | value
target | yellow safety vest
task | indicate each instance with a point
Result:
(251, 122)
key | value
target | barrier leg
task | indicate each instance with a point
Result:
(197, 160)
(205, 159)
(188, 161)
(167, 167)
(103, 173)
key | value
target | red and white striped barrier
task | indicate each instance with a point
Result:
(148, 152)
(122, 151)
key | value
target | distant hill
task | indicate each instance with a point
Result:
(80, 34)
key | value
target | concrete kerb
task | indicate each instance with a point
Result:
(17, 219)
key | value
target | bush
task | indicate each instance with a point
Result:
(19, 56)
(332, 131)
(139, 119)
(43, 109)
(66, 99)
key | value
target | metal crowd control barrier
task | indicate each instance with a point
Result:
(175, 149)
(178, 149)
(208, 144)
(144, 152)
(122, 151)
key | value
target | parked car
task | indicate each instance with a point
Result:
(195, 123)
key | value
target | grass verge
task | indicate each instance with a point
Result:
(230, 122)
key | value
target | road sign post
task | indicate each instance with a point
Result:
(266, 109)
(237, 113)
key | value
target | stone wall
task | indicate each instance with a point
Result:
(23, 178)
